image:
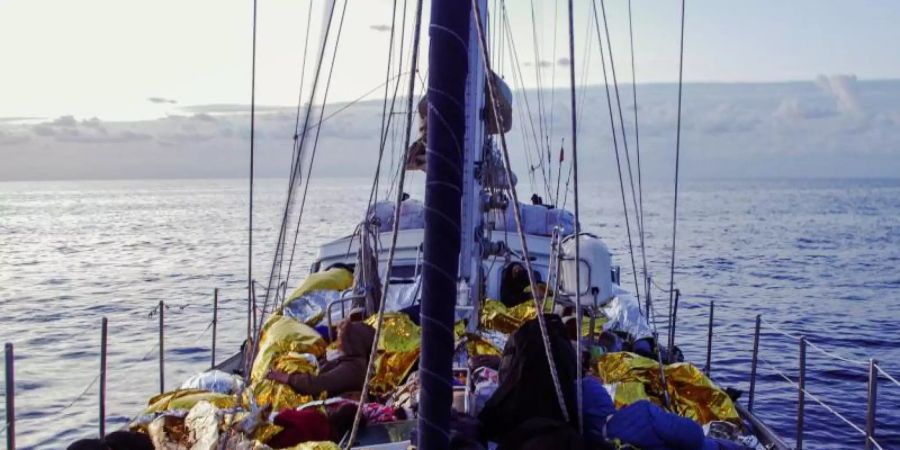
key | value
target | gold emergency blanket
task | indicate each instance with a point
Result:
(693, 395)
(335, 279)
(185, 399)
(477, 345)
(280, 336)
(280, 395)
(315, 446)
(497, 317)
(398, 349)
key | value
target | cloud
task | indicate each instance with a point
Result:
(229, 108)
(7, 138)
(843, 89)
(64, 121)
(380, 27)
(829, 126)
(792, 109)
(18, 119)
(542, 64)
(70, 130)
(162, 100)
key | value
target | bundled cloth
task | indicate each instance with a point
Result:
(412, 215)
(624, 315)
(215, 381)
(538, 220)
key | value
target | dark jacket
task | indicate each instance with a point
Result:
(347, 373)
(526, 388)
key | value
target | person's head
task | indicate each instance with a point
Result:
(355, 338)
(87, 444)
(117, 440)
(128, 440)
(341, 420)
(513, 283)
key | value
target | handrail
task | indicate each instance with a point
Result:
(340, 300)
(786, 378)
(831, 354)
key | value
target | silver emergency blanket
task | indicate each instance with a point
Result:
(203, 423)
(310, 307)
(402, 295)
(215, 381)
(624, 315)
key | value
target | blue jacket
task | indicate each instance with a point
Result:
(646, 426)
(596, 407)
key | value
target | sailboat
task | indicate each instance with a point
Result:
(437, 273)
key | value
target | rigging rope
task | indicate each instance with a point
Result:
(612, 126)
(297, 127)
(612, 69)
(252, 158)
(385, 115)
(637, 145)
(492, 98)
(396, 228)
(579, 342)
(315, 147)
(519, 82)
(386, 122)
(677, 160)
(295, 170)
(542, 117)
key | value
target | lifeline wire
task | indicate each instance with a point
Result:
(829, 353)
(820, 402)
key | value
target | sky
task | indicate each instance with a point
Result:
(116, 81)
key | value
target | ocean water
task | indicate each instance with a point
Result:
(817, 258)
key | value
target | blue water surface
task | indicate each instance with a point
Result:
(814, 257)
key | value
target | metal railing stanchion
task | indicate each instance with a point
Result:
(801, 390)
(162, 348)
(215, 324)
(753, 363)
(10, 397)
(709, 335)
(870, 409)
(103, 342)
(674, 323)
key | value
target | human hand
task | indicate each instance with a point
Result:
(276, 375)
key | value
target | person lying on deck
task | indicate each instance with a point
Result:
(341, 375)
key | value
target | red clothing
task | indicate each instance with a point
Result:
(306, 425)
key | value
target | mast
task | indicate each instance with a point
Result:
(472, 218)
(448, 66)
